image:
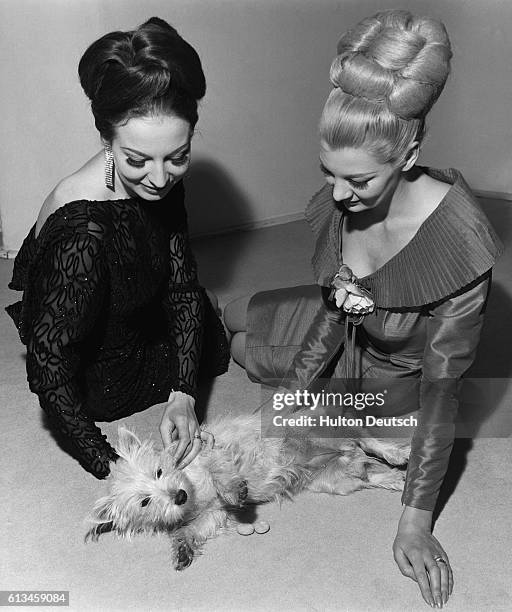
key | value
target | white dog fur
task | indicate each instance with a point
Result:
(147, 494)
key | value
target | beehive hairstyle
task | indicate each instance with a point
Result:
(389, 71)
(148, 71)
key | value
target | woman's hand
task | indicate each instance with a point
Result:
(179, 422)
(415, 550)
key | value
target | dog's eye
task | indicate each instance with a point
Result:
(159, 473)
(145, 501)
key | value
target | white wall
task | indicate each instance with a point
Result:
(266, 63)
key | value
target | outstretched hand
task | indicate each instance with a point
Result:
(179, 422)
(420, 556)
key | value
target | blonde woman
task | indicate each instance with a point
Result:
(403, 259)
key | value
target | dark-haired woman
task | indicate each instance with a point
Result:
(112, 314)
(403, 257)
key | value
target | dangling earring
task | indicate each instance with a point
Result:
(109, 167)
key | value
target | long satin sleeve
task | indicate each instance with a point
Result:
(65, 299)
(453, 333)
(322, 341)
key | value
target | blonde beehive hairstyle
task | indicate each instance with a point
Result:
(389, 71)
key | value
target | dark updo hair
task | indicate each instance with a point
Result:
(147, 71)
(389, 71)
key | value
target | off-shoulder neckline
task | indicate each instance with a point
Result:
(454, 245)
(64, 207)
(411, 244)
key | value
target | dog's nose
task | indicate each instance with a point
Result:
(181, 497)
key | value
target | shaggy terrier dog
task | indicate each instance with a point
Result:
(147, 494)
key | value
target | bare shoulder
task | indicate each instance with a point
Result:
(84, 184)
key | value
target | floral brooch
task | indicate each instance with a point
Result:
(349, 295)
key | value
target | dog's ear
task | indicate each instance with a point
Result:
(101, 519)
(95, 531)
(127, 442)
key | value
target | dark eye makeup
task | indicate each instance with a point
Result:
(176, 161)
(354, 184)
(135, 162)
(182, 159)
(359, 185)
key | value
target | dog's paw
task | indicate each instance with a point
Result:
(184, 557)
(236, 495)
(393, 479)
(399, 455)
(243, 492)
(394, 452)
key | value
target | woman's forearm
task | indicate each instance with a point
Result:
(415, 519)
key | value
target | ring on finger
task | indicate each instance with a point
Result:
(197, 436)
(440, 559)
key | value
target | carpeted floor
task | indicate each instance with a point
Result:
(322, 553)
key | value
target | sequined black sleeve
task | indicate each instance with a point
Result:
(66, 297)
(184, 305)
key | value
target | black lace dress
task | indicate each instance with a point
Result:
(112, 316)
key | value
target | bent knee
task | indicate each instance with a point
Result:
(238, 348)
(235, 314)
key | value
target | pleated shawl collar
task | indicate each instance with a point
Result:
(452, 248)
